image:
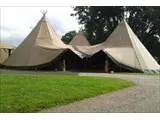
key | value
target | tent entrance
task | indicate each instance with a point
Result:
(66, 61)
(101, 62)
(72, 61)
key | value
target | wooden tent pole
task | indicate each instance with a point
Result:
(106, 66)
(84, 63)
(9, 52)
(64, 65)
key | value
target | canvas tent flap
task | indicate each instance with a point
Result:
(122, 65)
(50, 47)
(46, 56)
(88, 50)
(124, 56)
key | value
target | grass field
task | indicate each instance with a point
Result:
(31, 93)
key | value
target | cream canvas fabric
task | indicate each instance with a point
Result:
(125, 47)
(41, 46)
(4, 47)
(80, 44)
(79, 40)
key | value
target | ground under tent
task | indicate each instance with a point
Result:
(102, 62)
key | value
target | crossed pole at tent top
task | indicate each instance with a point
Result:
(44, 12)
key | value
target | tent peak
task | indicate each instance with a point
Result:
(44, 12)
(123, 21)
(44, 15)
(80, 30)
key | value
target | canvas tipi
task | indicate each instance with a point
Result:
(124, 47)
(79, 40)
(41, 46)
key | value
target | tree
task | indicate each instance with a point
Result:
(68, 36)
(100, 21)
(145, 22)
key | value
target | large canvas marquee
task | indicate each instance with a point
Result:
(43, 45)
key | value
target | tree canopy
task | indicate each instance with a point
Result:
(68, 36)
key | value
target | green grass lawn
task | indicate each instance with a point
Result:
(31, 93)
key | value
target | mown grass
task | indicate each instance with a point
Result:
(31, 93)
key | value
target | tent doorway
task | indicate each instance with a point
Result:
(101, 62)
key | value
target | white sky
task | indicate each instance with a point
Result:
(17, 22)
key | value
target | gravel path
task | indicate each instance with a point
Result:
(144, 97)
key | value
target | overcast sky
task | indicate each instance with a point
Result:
(17, 22)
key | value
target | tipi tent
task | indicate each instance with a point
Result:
(79, 40)
(124, 47)
(5, 51)
(41, 46)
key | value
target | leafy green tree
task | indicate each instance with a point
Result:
(68, 36)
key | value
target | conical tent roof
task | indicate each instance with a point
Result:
(125, 47)
(79, 40)
(4, 47)
(32, 51)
